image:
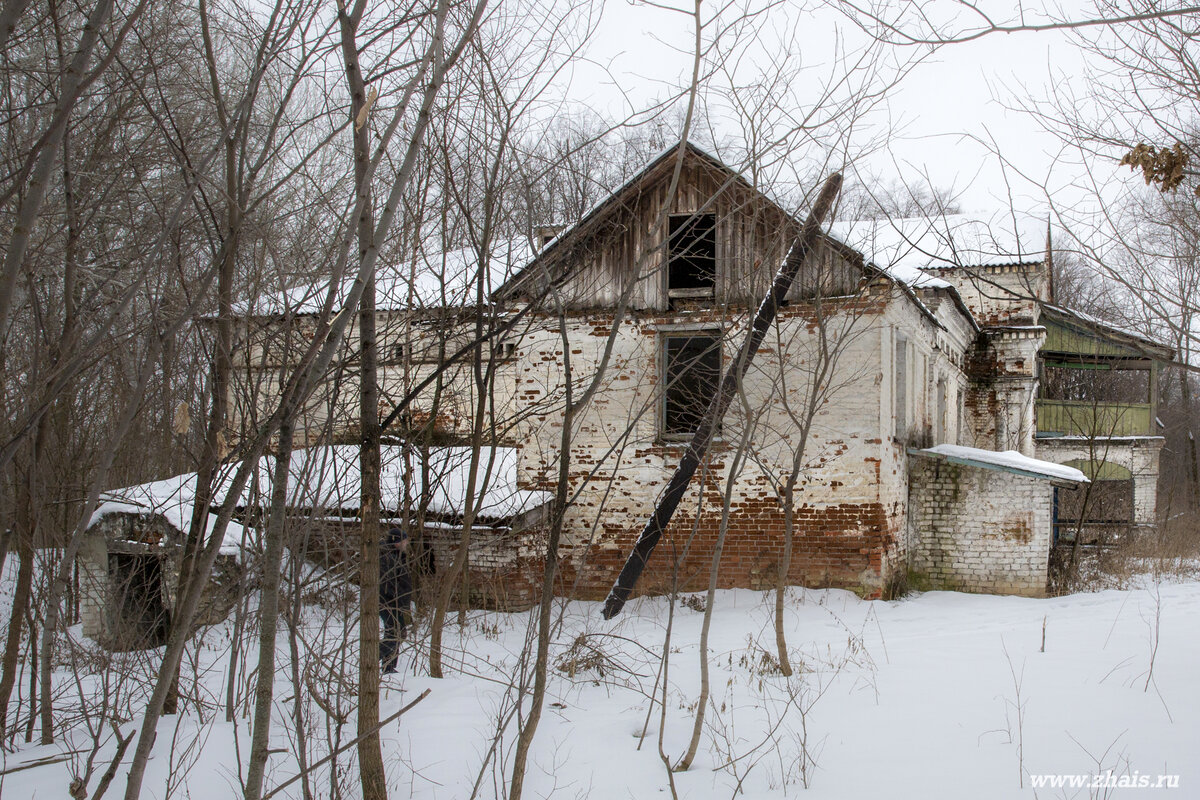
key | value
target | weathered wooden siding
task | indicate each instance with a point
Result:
(752, 237)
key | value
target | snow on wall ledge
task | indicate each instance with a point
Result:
(1008, 460)
(978, 529)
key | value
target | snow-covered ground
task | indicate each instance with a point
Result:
(939, 695)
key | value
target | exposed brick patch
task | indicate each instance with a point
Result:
(841, 546)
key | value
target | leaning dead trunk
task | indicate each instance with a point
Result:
(726, 391)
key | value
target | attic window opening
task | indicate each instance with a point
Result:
(691, 374)
(544, 234)
(692, 255)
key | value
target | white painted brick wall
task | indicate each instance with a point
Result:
(979, 530)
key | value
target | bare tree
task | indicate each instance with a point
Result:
(424, 83)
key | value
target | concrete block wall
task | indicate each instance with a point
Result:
(978, 530)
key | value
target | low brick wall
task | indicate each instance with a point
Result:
(504, 568)
(974, 529)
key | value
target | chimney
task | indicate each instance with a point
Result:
(543, 234)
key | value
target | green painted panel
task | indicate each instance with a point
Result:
(1100, 470)
(1062, 338)
(1067, 418)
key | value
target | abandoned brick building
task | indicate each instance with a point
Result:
(943, 417)
(919, 333)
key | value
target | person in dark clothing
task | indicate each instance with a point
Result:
(395, 596)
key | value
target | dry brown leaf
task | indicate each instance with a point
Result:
(182, 422)
(365, 111)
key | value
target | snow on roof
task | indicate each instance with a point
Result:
(916, 278)
(327, 479)
(172, 499)
(1089, 321)
(432, 280)
(1007, 460)
(904, 247)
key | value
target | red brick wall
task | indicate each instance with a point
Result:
(833, 546)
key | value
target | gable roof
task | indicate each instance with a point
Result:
(657, 168)
(906, 276)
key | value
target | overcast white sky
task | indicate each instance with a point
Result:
(962, 93)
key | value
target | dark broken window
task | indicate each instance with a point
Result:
(1096, 382)
(692, 255)
(692, 373)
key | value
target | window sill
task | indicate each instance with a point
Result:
(717, 443)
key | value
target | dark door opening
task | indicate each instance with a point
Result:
(1101, 514)
(137, 617)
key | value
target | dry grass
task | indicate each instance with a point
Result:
(1170, 553)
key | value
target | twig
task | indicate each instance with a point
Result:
(346, 746)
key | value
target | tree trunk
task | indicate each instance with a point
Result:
(541, 661)
(735, 469)
(370, 756)
(268, 618)
(479, 426)
(28, 514)
(212, 451)
(1193, 461)
(63, 424)
(785, 566)
(298, 698)
(21, 597)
